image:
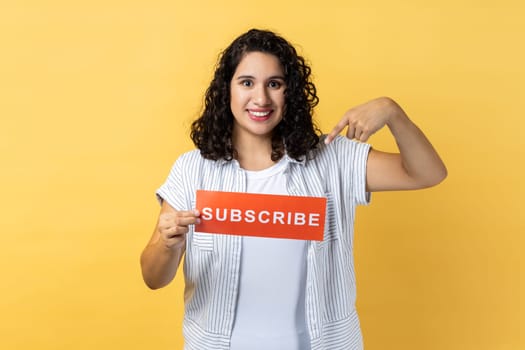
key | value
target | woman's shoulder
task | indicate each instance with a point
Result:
(190, 156)
(337, 145)
(339, 153)
(194, 158)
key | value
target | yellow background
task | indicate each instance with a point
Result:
(96, 98)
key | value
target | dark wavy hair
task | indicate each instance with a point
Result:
(296, 134)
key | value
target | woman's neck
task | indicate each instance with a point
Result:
(253, 153)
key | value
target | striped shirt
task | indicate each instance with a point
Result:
(212, 262)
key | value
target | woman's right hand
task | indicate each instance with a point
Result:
(172, 225)
(161, 257)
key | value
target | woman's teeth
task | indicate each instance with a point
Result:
(260, 114)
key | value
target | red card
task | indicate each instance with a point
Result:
(261, 215)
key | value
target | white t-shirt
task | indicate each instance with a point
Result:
(270, 313)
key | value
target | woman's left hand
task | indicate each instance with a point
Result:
(364, 120)
(417, 165)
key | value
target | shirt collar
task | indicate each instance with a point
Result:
(301, 161)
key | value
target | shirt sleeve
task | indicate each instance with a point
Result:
(353, 157)
(172, 190)
(361, 158)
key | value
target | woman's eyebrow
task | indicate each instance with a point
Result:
(273, 77)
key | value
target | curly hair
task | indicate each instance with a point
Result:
(296, 134)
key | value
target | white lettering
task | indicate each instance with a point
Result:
(224, 217)
(278, 216)
(313, 219)
(264, 216)
(250, 216)
(264, 221)
(206, 214)
(299, 219)
(235, 215)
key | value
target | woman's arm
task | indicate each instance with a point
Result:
(417, 165)
(161, 257)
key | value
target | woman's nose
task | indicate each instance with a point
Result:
(262, 97)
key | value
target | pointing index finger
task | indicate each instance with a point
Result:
(335, 131)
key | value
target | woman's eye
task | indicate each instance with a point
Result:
(246, 83)
(274, 84)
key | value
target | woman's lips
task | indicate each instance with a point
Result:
(260, 115)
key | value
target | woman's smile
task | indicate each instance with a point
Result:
(260, 115)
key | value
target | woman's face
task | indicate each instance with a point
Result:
(257, 95)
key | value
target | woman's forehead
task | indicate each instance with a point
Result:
(259, 64)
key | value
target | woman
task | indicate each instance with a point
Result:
(256, 135)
